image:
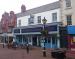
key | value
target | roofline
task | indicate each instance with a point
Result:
(43, 8)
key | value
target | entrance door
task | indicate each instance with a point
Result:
(34, 41)
(54, 42)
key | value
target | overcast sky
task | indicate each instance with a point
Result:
(15, 5)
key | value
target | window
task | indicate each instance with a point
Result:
(68, 3)
(69, 19)
(48, 40)
(31, 19)
(53, 40)
(29, 40)
(19, 22)
(39, 19)
(54, 17)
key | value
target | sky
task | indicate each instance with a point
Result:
(15, 5)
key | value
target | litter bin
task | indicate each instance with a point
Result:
(53, 54)
(44, 52)
(60, 55)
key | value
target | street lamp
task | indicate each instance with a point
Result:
(44, 49)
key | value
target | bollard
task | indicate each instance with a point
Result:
(44, 52)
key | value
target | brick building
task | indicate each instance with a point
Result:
(8, 22)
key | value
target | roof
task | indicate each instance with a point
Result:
(40, 9)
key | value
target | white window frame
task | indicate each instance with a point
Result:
(54, 17)
(69, 20)
(68, 3)
(31, 19)
(39, 19)
(19, 22)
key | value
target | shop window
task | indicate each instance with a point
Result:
(24, 38)
(29, 40)
(53, 40)
(45, 40)
(74, 39)
(48, 40)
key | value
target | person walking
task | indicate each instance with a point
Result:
(27, 48)
(3, 45)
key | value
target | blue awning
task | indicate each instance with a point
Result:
(71, 29)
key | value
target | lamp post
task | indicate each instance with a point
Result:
(44, 49)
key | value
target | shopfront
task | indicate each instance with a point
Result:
(71, 37)
(32, 35)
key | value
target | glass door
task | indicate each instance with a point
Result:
(54, 42)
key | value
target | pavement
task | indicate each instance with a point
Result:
(35, 53)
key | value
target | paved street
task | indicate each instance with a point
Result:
(35, 53)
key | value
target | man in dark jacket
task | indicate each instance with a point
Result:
(27, 48)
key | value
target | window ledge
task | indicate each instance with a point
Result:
(31, 24)
(38, 23)
(68, 8)
(54, 21)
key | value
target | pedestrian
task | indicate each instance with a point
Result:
(27, 48)
(3, 45)
(14, 45)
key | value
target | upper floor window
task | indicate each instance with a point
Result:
(31, 19)
(19, 22)
(68, 3)
(69, 19)
(39, 19)
(54, 17)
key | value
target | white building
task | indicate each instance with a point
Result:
(29, 25)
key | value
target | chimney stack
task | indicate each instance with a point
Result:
(23, 8)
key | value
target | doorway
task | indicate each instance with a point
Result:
(34, 39)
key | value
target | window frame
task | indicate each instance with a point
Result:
(31, 19)
(54, 17)
(68, 3)
(39, 19)
(69, 19)
(19, 22)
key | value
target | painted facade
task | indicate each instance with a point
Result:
(67, 11)
(46, 14)
(30, 31)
